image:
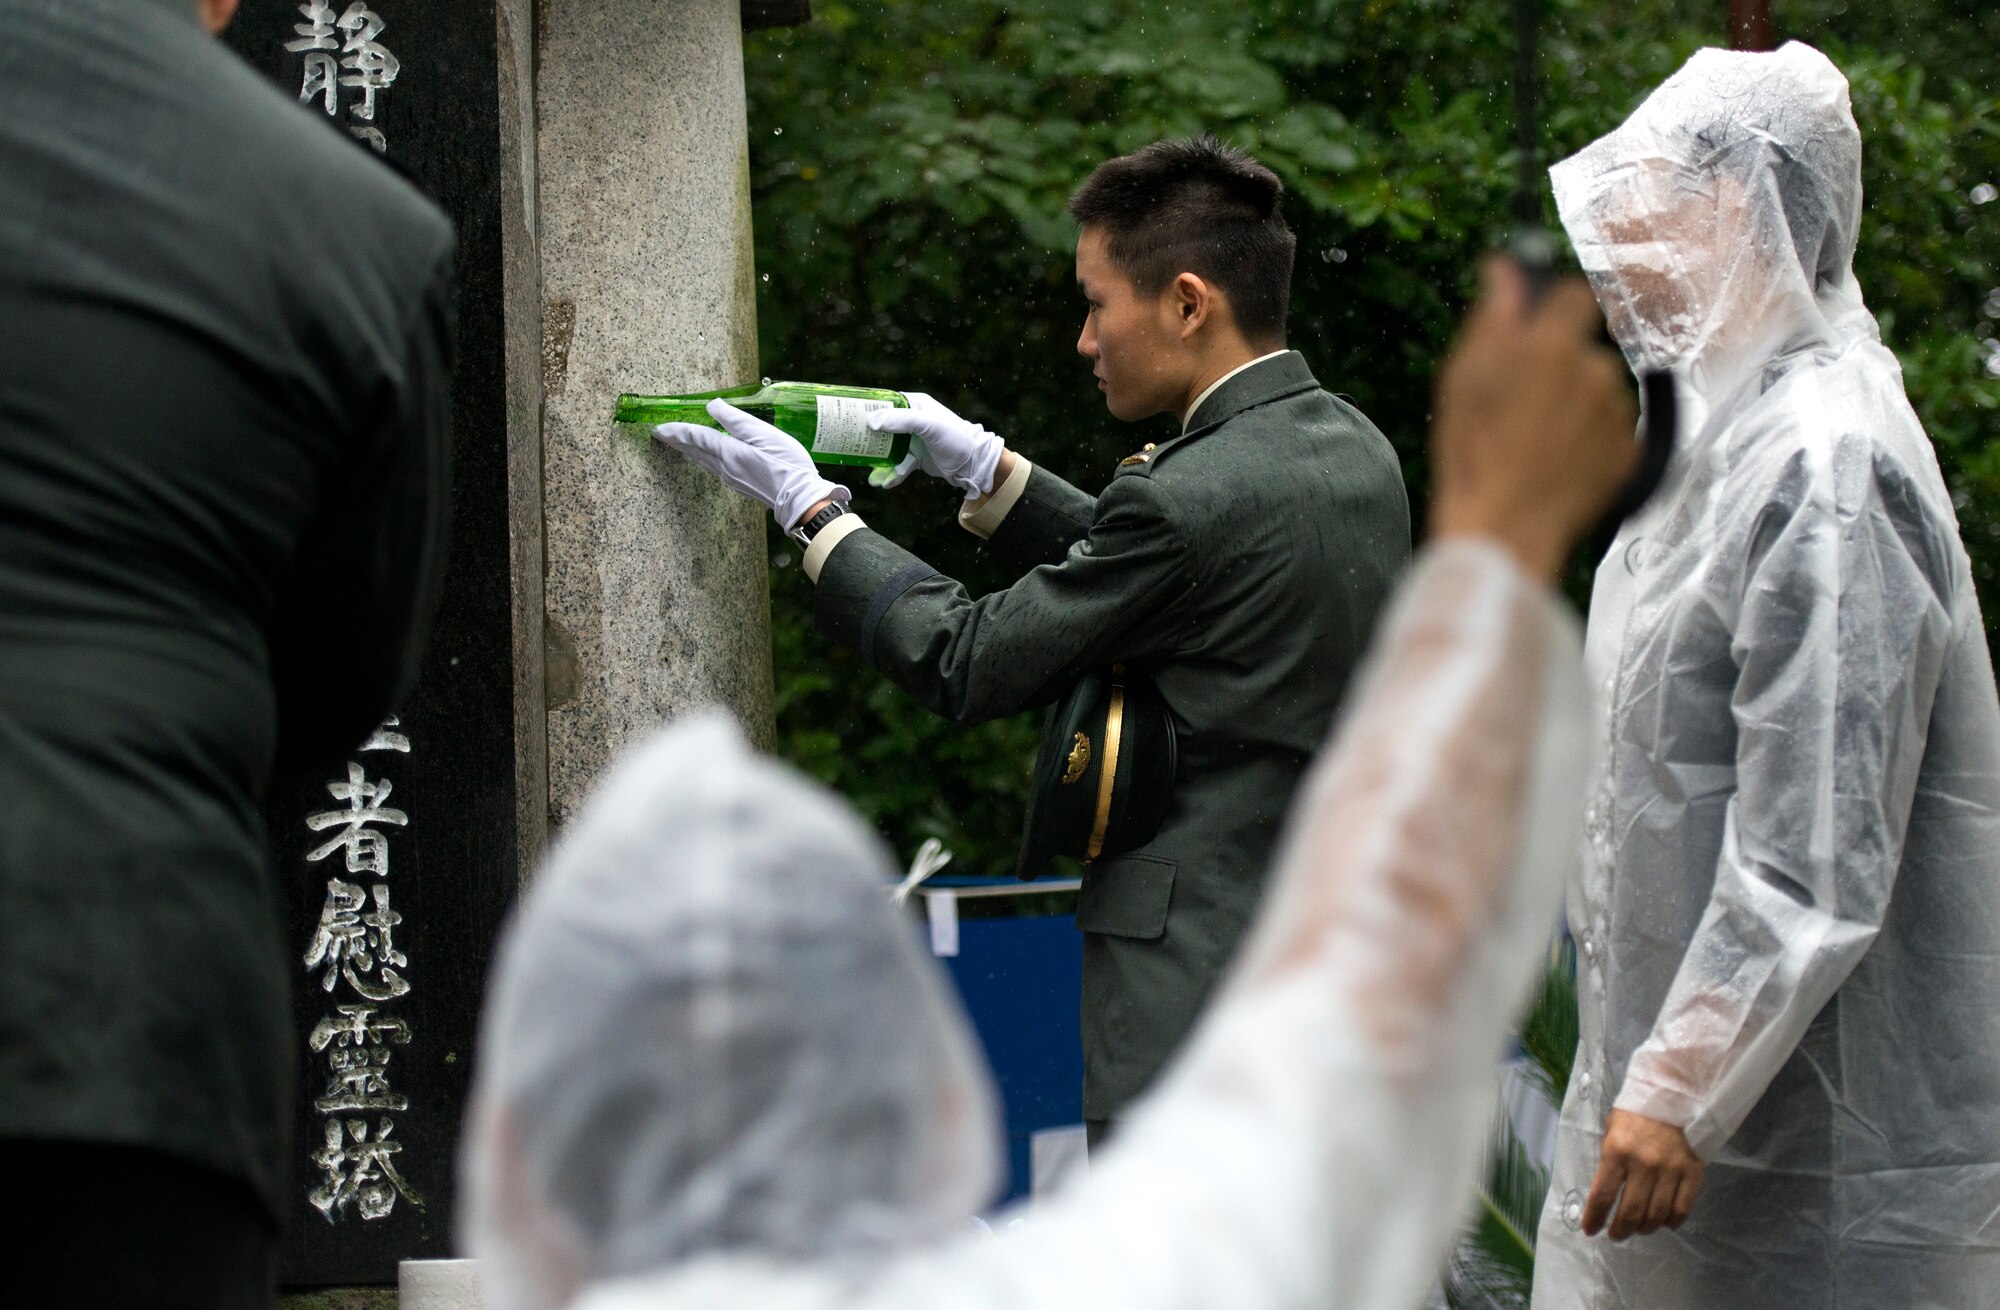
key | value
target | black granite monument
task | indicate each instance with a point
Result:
(399, 865)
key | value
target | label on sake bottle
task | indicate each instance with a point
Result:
(843, 428)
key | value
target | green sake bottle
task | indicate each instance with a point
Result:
(830, 422)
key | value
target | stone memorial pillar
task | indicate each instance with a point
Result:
(657, 595)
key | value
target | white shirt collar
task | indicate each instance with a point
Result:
(1195, 408)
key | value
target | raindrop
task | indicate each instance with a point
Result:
(777, 131)
(701, 336)
(1985, 193)
(1333, 255)
(764, 382)
(781, 560)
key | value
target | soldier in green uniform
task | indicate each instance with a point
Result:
(1239, 566)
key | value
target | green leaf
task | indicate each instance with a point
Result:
(1549, 1032)
(1493, 1267)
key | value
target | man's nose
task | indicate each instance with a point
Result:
(1086, 343)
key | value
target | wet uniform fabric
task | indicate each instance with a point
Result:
(1788, 918)
(223, 418)
(1241, 566)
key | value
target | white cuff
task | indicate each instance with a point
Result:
(822, 545)
(983, 517)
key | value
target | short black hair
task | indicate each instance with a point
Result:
(1196, 205)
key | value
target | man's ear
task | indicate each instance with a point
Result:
(1194, 303)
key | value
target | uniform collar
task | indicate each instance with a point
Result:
(1276, 375)
(1259, 382)
(1216, 385)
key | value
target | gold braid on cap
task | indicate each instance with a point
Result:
(1114, 726)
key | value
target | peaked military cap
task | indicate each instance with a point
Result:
(1104, 774)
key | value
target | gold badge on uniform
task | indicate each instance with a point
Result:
(1079, 760)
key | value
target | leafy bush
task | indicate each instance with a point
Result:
(910, 160)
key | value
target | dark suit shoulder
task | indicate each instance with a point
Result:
(301, 177)
(300, 154)
(147, 161)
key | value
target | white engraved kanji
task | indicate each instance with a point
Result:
(367, 850)
(370, 67)
(316, 37)
(385, 740)
(358, 1080)
(357, 1059)
(358, 1025)
(316, 33)
(320, 80)
(352, 945)
(359, 1171)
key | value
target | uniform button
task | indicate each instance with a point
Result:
(1589, 947)
(1573, 1210)
(1584, 1080)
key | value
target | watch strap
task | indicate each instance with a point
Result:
(806, 531)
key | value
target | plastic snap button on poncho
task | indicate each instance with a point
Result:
(1790, 897)
(715, 1071)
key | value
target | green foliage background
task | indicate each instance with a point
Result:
(910, 159)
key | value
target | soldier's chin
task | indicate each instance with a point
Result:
(1121, 406)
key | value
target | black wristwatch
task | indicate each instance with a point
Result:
(805, 532)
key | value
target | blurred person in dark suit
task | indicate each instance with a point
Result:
(224, 367)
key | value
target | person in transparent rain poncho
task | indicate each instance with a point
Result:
(717, 1070)
(1788, 920)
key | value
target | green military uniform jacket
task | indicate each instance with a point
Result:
(1241, 566)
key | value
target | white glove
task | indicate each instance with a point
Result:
(941, 444)
(756, 459)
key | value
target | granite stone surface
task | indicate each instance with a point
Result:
(656, 578)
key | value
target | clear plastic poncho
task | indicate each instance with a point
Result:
(706, 1035)
(1789, 914)
(716, 1072)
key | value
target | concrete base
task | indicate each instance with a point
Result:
(439, 1285)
